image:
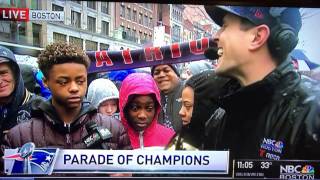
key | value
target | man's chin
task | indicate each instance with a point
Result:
(74, 106)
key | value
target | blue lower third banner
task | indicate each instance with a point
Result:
(115, 161)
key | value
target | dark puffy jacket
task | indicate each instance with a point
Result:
(276, 118)
(173, 107)
(46, 129)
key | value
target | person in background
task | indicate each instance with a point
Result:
(140, 106)
(264, 99)
(198, 97)
(60, 121)
(196, 67)
(104, 95)
(119, 75)
(27, 72)
(15, 99)
(170, 85)
(44, 91)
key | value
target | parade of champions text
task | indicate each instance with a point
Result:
(101, 159)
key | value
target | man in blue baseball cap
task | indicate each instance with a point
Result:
(264, 109)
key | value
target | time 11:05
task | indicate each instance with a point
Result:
(245, 164)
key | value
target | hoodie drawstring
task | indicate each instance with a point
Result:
(141, 139)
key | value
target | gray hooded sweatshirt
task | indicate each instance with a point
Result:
(101, 90)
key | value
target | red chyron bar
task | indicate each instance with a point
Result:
(280, 169)
(14, 14)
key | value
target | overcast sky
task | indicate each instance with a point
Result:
(309, 36)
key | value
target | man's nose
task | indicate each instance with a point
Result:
(162, 74)
(217, 36)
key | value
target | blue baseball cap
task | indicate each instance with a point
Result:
(271, 16)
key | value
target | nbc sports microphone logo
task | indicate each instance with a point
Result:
(29, 160)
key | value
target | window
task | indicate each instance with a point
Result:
(91, 45)
(128, 13)
(91, 24)
(22, 38)
(76, 41)
(150, 23)
(140, 18)
(146, 20)
(75, 1)
(128, 37)
(36, 30)
(20, 4)
(134, 34)
(105, 28)
(140, 37)
(145, 36)
(104, 47)
(6, 31)
(134, 16)
(57, 37)
(75, 19)
(36, 4)
(122, 11)
(56, 8)
(92, 4)
(105, 7)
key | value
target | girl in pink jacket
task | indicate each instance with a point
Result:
(139, 104)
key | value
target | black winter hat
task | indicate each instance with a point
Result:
(200, 81)
(173, 67)
(206, 85)
(27, 72)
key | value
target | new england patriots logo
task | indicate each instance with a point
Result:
(30, 160)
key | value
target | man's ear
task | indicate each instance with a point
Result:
(259, 36)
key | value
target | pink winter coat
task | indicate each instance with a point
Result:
(155, 134)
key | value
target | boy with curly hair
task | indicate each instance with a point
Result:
(60, 121)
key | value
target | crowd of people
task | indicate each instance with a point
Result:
(252, 95)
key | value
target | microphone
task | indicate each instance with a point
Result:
(96, 136)
(211, 53)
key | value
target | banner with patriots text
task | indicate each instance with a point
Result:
(102, 61)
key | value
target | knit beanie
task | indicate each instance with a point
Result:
(173, 67)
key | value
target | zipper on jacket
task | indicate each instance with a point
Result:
(67, 125)
(68, 137)
(141, 139)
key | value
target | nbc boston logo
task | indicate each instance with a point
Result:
(297, 172)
